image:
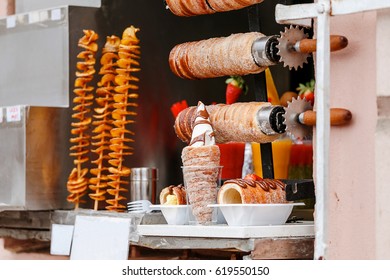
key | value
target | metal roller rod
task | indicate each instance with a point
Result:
(261, 95)
(264, 51)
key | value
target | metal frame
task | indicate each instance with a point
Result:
(261, 95)
(323, 10)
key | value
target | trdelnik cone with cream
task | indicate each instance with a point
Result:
(201, 160)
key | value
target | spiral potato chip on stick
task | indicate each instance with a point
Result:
(102, 120)
(77, 184)
(123, 115)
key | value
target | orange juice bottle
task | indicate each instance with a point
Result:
(280, 154)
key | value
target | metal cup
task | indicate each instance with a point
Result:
(143, 181)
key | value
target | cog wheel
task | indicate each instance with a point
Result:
(288, 55)
(291, 118)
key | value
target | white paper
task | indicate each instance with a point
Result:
(100, 238)
(11, 21)
(13, 114)
(56, 14)
(61, 239)
(43, 16)
(33, 17)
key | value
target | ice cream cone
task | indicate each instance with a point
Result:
(201, 170)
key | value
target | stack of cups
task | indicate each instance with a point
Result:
(202, 184)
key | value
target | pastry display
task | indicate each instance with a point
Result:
(252, 190)
(102, 121)
(229, 5)
(123, 114)
(236, 122)
(173, 195)
(215, 57)
(188, 8)
(77, 183)
(201, 167)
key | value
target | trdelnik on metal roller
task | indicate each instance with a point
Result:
(245, 53)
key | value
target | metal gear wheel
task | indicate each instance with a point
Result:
(288, 55)
(291, 118)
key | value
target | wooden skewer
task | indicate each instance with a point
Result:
(337, 42)
(338, 116)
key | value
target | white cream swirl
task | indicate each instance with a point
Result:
(203, 132)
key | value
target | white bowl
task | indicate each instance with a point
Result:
(174, 214)
(256, 214)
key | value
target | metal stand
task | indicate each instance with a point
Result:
(261, 95)
(322, 11)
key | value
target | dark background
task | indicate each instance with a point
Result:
(156, 144)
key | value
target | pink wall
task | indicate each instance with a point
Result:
(7, 7)
(351, 224)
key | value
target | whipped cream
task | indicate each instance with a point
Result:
(203, 132)
(171, 200)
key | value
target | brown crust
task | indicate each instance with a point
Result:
(186, 8)
(200, 156)
(259, 191)
(215, 57)
(172, 61)
(184, 124)
(236, 122)
(229, 5)
(181, 60)
(200, 173)
(179, 191)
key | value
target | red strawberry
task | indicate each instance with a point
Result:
(253, 177)
(235, 87)
(307, 91)
(177, 107)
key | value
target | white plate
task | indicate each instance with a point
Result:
(173, 214)
(159, 206)
(256, 214)
(300, 229)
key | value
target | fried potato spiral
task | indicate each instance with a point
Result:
(102, 121)
(123, 116)
(77, 183)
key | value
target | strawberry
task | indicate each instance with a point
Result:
(307, 91)
(235, 87)
(253, 177)
(177, 107)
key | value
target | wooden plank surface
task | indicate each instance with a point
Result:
(283, 248)
(170, 242)
(26, 219)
